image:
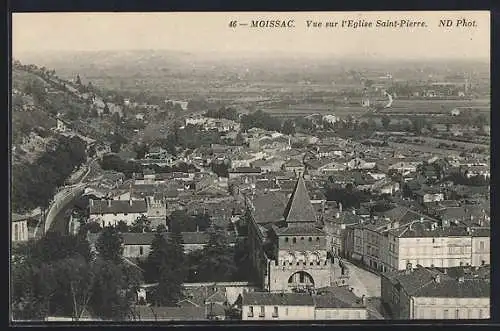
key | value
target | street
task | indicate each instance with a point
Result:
(366, 283)
(363, 281)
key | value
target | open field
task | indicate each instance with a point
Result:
(437, 141)
(423, 148)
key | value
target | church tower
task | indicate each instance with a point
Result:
(298, 248)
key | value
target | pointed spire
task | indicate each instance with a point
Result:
(299, 208)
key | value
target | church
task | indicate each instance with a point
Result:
(289, 253)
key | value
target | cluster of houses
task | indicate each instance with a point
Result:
(425, 234)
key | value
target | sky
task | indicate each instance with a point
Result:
(200, 32)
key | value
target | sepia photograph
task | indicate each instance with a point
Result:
(250, 166)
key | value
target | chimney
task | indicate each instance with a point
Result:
(363, 300)
(437, 278)
(445, 271)
(461, 279)
(340, 207)
(91, 202)
(130, 201)
(409, 268)
(109, 202)
(354, 212)
(337, 215)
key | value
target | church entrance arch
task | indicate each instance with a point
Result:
(300, 280)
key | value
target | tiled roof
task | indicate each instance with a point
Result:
(277, 299)
(303, 230)
(480, 232)
(337, 297)
(396, 214)
(269, 207)
(218, 296)
(420, 230)
(117, 206)
(245, 170)
(293, 163)
(468, 288)
(150, 313)
(421, 282)
(189, 238)
(17, 217)
(299, 207)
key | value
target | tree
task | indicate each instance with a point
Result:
(202, 221)
(349, 121)
(179, 221)
(217, 263)
(115, 146)
(418, 124)
(114, 288)
(239, 140)
(66, 283)
(242, 260)
(288, 127)
(122, 227)
(220, 169)
(109, 245)
(372, 124)
(385, 122)
(115, 117)
(141, 224)
(166, 265)
(161, 228)
(480, 120)
(141, 150)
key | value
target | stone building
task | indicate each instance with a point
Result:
(289, 254)
(432, 293)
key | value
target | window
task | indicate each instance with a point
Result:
(445, 314)
(433, 314)
(262, 311)
(301, 238)
(125, 214)
(469, 313)
(294, 240)
(250, 311)
(481, 245)
(275, 312)
(310, 239)
(480, 313)
(286, 239)
(141, 250)
(457, 314)
(16, 232)
(286, 311)
(114, 214)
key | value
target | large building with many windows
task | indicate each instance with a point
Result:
(289, 253)
(337, 303)
(432, 293)
(390, 243)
